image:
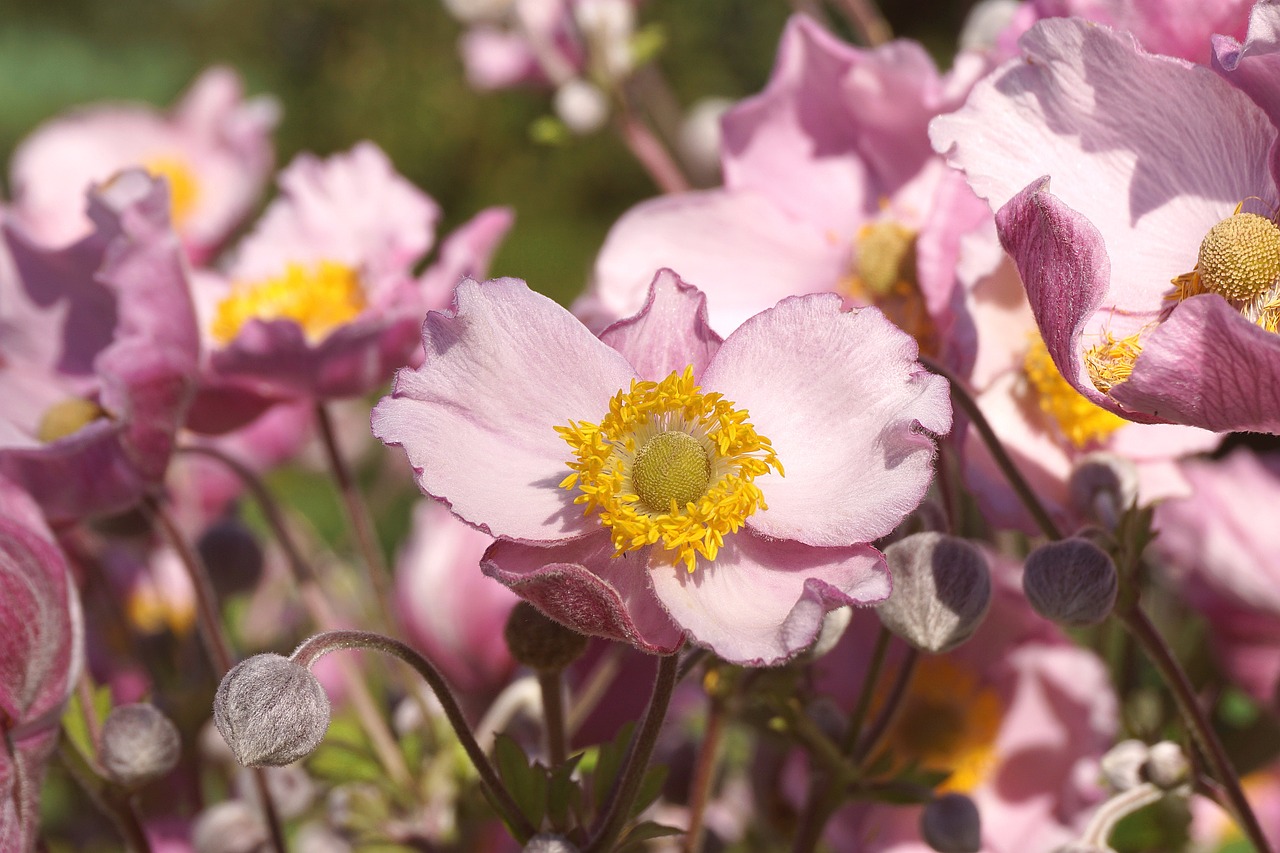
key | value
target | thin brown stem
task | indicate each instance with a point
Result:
(551, 683)
(331, 641)
(859, 716)
(357, 512)
(322, 615)
(704, 771)
(960, 393)
(622, 796)
(870, 744)
(866, 19)
(112, 802)
(1175, 677)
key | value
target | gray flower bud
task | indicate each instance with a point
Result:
(941, 591)
(548, 843)
(1101, 486)
(539, 642)
(1167, 767)
(229, 827)
(951, 824)
(1123, 763)
(233, 556)
(139, 744)
(1072, 582)
(271, 711)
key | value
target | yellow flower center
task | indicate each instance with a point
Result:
(318, 298)
(884, 275)
(1111, 362)
(1239, 260)
(1079, 420)
(184, 189)
(66, 417)
(949, 722)
(669, 465)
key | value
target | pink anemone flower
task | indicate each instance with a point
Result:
(635, 480)
(98, 355)
(829, 185)
(214, 149)
(41, 653)
(321, 301)
(1155, 285)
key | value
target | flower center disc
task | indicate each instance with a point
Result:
(1240, 256)
(670, 471)
(318, 298)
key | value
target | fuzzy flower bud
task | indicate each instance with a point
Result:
(1102, 485)
(1072, 582)
(539, 642)
(271, 711)
(139, 744)
(951, 824)
(229, 827)
(1122, 765)
(941, 591)
(581, 106)
(1167, 767)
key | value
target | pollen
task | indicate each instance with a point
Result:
(184, 189)
(1111, 362)
(1079, 420)
(669, 466)
(1240, 257)
(884, 275)
(66, 417)
(318, 298)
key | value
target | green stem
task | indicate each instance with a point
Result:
(1158, 652)
(331, 641)
(1019, 483)
(621, 798)
(550, 682)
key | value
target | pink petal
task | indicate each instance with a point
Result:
(849, 411)
(580, 584)
(762, 601)
(477, 420)
(739, 248)
(465, 253)
(669, 333)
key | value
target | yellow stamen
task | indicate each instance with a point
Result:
(318, 298)
(671, 465)
(66, 417)
(884, 275)
(1080, 420)
(1111, 362)
(948, 722)
(184, 189)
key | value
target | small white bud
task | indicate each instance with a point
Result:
(1167, 767)
(984, 23)
(1122, 765)
(1072, 582)
(139, 744)
(548, 843)
(941, 591)
(229, 827)
(270, 711)
(581, 106)
(700, 137)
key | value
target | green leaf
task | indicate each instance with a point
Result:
(527, 784)
(650, 788)
(647, 43)
(635, 837)
(549, 130)
(563, 794)
(609, 763)
(73, 720)
(345, 756)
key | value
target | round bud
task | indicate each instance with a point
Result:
(229, 827)
(1167, 767)
(581, 106)
(1072, 582)
(233, 556)
(941, 591)
(139, 744)
(1122, 765)
(270, 711)
(539, 642)
(548, 843)
(699, 141)
(1102, 486)
(951, 824)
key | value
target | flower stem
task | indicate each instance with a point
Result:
(866, 19)
(331, 641)
(322, 614)
(1110, 813)
(649, 151)
(622, 795)
(215, 639)
(111, 801)
(1019, 483)
(859, 716)
(357, 514)
(870, 744)
(552, 686)
(1158, 652)
(704, 770)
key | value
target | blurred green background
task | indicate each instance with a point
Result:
(388, 70)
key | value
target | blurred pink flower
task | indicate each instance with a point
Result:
(320, 300)
(450, 610)
(1125, 295)
(829, 185)
(41, 652)
(214, 150)
(1229, 562)
(1171, 27)
(98, 355)
(1018, 714)
(515, 394)
(1213, 829)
